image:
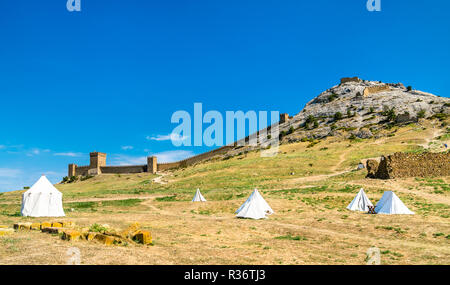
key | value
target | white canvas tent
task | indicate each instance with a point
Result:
(198, 197)
(42, 200)
(391, 204)
(360, 202)
(255, 207)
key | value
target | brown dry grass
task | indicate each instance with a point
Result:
(309, 206)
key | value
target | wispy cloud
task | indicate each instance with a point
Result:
(127, 147)
(71, 154)
(9, 172)
(172, 137)
(173, 155)
(36, 151)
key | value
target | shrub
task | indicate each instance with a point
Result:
(332, 97)
(98, 228)
(409, 88)
(338, 116)
(86, 177)
(371, 110)
(390, 114)
(421, 114)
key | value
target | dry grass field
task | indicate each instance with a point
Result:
(308, 187)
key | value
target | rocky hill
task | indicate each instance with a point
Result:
(362, 108)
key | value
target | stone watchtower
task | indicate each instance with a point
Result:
(152, 164)
(97, 160)
(284, 118)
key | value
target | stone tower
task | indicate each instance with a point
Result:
(284, 118)
(152, 165)
(72, 170)
(98, 159)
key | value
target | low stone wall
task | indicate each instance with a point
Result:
(400, 165)
(375, 89)
(123, 169)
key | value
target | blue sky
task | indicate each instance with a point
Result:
(108, 78)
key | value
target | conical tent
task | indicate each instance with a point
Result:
(198, 197)
(360, 202)
(391, 204)
(42, 200)
(255, 207)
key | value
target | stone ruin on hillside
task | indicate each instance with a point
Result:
(400, 165)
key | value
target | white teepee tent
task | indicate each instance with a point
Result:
(255, 207)
(42, 200)
(198, 197)
(360, 202)
(391, 204)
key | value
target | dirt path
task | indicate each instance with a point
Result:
(159, 178)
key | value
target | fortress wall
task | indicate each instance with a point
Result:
(82, 170)
(123, 169)
(400, 165)
(165, 166)
(375, 89)
(194, 159)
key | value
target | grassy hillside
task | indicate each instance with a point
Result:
(308, 185)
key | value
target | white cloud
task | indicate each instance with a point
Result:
(173, 155)
(71, 154)
(9, 173)
(127, 147)
(37, 151)
(172, 137)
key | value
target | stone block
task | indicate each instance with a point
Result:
(89, 236)
(56, 225)
(71, 235)
(45, 225)
(67, 224)
(5, 231)
(106, 240)
(22, 226)
(35, 226)
(53, 230)
(143, 237)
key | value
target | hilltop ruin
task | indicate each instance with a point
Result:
(401, 165)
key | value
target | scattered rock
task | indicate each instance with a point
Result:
(6, 231)
(45, 225)
(57, 225)
(35, 226)
(143, 237)
(53, 230)
(106, 240)
(71, 235)
(22, 226)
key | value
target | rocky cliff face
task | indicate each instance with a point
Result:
(362, 107)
